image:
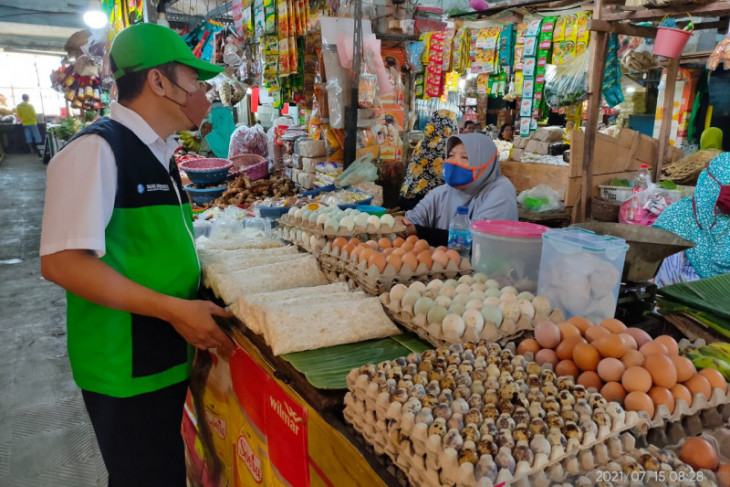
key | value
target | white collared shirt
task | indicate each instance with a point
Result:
(81, 186)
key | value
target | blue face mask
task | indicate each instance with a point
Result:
(459, 175)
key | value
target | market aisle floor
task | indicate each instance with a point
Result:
(46, 438)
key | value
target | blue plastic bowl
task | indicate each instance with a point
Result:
(273, 212)
(203, 196)
(206, 170)
(207, 177)
(372, 210)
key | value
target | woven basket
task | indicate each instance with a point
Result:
(605, 210)
(253, 165)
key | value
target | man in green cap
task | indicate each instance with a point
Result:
(117, 235)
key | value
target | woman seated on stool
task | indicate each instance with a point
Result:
(473, 179)
(705, 220)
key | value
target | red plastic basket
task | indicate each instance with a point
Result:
(253, 165)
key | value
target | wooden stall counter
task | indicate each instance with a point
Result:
(264, 424)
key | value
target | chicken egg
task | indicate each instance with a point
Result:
(411, 260)
(699, 384)
(662, 395)
(669, 343)
(613, 391)
(348, 223)
(420, 246)
(639, 401)
(425, 257)
(681, 392)
(384, 243)
(662, 370)
(440, 257)
(332, 223)
(453, 255)
(372, 244)
(377, 260)
(387, 220)
(684, 366)
(374, 220)
(322, 219)
(395, 261)
(636, 379)
(339, 242)
(397, 242)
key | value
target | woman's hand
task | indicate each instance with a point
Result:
(410, 227)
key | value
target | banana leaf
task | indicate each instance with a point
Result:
(709, 320)
(709, 295)
(327, 368)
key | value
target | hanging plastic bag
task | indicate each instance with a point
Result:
(362, 170)
(644, 207)
(567, 85)
(249, 140)
(540, 199)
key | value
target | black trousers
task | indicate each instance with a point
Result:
(139, 437)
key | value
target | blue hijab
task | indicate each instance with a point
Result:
(698, 220)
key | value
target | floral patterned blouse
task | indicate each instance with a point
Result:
(425, 170)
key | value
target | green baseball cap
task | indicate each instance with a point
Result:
(143, 46)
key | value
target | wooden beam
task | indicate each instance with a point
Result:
(622, 28)
(668, 109)
(598, 56)
(637, 14)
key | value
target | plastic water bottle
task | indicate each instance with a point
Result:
(642, 179)
(460, 232)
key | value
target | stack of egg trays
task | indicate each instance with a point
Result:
(406, 444)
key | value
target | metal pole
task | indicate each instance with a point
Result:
(40, 90)
(351, 111)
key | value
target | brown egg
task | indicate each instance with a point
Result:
(669, 343)
(453, 255)
(384, 243)
(411, 260)
(440, 257)
(349, 248)
(339, 242)
(528, 345)
(662, 395)
(547, 334)
(388, 251)
(366, 253)
(629, 341)
(566, 367)
(421, 245)
(372, 244)
(568, 330)
(395, 261)
(685, 367)
(377, 260)
(590, 379)
(632, 358)
(412, 240)
(636, 379)
(397, 242)
(661, 369)
(610, 369)
(546, 356)
(723, 475)
(653, 347)
(586, 357)
(681, 392)
(699, 454)
(355, 241)
(595, 332)
(441, 248)
(613, 391)
(613, 325)
(717, 381)
(425, 257)
(610, 346)
(640, 336)
(639, 401)
(408, 247)
(581, 323)
(698, 384)
(565, 349)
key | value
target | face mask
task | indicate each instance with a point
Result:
(196, 105)
(459, 175)
(723, 200)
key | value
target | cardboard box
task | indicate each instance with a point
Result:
(309, 165)
(548, 134)
(538, 147)
(517, 154)
(313, 148)
(520, 142)
(612, 155)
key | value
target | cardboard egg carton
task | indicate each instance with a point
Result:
(371, 229)
(375, 282)
(418, 325)
(392, 430)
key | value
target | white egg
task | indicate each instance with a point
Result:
(480, 277)
(312, 217)
(374, 220)
(292, 211)
(348, 223)
(361, 220)
(474, 304)
(322, 219)
(332, 223)
(299, 213)
(453, 327)
(466, 280)
(397, 292)
(447, 291)
(435, 284)
(387, 220)
(491, 283)
(444, 301)
(417, 286)
(463, 289)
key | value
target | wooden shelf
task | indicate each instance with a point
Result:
(638, 14)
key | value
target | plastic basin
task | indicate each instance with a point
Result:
(207, 170)
(203, 196)
(508, 252)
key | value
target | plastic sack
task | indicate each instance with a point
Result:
(362, 170)
(414, 50)
(644, 208)
(567, 85)
(540, 199)
(249, 140)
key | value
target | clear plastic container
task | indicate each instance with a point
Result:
(508, 252)
(580, 272)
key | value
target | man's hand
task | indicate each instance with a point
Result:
(410, 228)
(193, 321)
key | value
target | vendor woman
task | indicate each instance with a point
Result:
(705, 220)
(473, 179)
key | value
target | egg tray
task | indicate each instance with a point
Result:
(719, 437)
(427, 463)
(371, 280)
(370, 229)
(418, 326)
(620, 463)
